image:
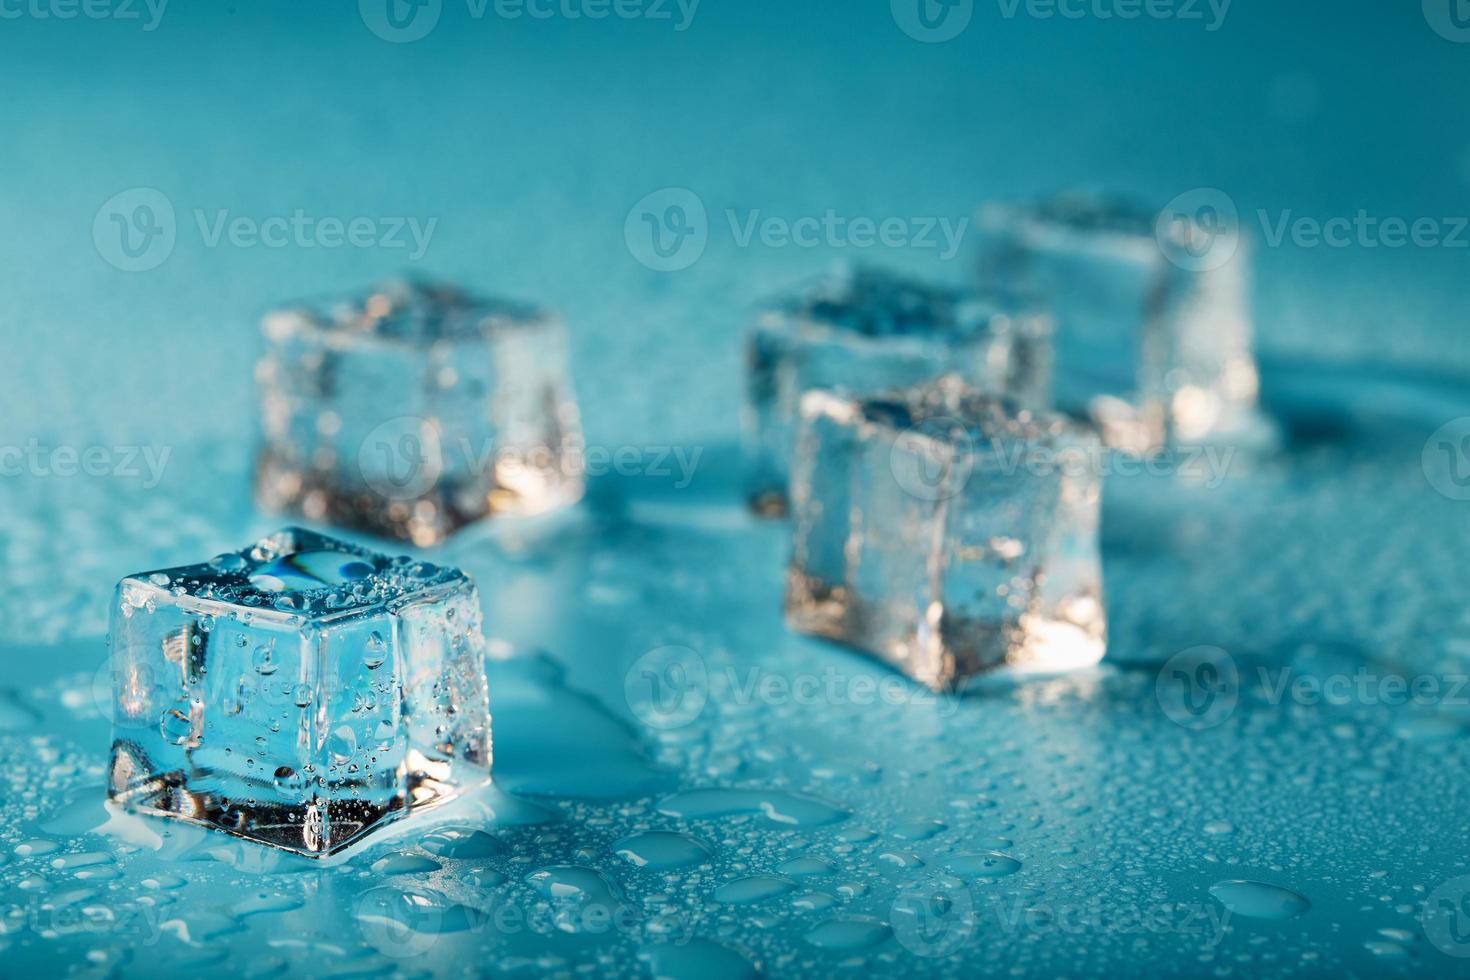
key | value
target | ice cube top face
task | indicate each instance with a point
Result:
(947, 532)
(1154, 341)
(414, 410)
(864, 330)
(301, 692)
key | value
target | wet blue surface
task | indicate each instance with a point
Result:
(1251, 809)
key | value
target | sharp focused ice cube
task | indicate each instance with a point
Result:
(864, 330)
(1154, 335)
(947, 532)
(415, 410)
(301, 692)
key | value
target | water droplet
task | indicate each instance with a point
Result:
(405, 864)
(847, 934)
(1258, 900)
(343, 743)
(982, 864)
(264, 659)
(462, 843)
(661, 850)
(175, 725)
(697, 959)
(785, 809)
(376, 652)
(756, 888)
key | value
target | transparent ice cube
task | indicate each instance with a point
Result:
(301, 692)
(948, 532)
(1154, 335)
(862, 330)
(415, 410)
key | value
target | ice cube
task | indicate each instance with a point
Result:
(1154, 335)
(301, 693)
(948, 532)
(415, 410)
(865, 329)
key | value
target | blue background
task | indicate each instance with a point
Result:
(529, 141)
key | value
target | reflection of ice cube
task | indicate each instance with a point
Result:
(947, 532)
(300, 692)
(864, 330)
(1154, 335)
(415, 410)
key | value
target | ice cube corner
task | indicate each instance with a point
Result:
(301, 692)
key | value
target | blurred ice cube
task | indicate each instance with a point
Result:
(864, 329)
